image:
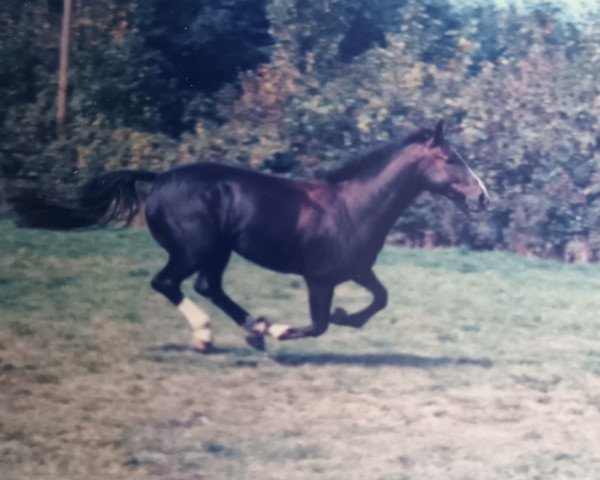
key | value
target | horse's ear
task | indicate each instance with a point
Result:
(438, 134)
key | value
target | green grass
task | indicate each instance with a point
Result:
(463, 301)
(483, 365)
(73, 276)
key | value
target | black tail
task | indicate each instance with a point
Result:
(109, 197)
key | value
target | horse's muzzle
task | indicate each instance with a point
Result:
(475, 203)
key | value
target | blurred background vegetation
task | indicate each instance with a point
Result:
(297, 86)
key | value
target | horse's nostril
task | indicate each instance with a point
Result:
(483, 200)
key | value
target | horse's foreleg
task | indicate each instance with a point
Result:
(372, 284)
(320, 295)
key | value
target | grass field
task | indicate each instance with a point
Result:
(484, 366)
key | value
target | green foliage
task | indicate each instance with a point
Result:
(518, 112)
(116, 94)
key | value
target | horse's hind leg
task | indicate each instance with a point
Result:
(168, 282)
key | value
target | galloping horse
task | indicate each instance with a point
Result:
(328, 231)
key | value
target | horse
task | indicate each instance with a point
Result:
(328, 230)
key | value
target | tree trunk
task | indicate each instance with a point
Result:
(63, 71)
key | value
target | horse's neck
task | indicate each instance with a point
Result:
(378, 201)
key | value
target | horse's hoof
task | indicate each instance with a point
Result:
(338, 315)
(260, 326)
(289, 334)
(204, 347)
(256, 341)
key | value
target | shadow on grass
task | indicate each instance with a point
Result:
(378, 360)
(188, 354)
(160, 353)
(187, 348)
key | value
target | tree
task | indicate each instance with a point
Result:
(63, 71)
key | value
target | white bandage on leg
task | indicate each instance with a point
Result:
(198, 319)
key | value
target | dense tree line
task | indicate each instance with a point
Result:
(297, 86)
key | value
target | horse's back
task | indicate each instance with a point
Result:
(252, 213)
(285, 225)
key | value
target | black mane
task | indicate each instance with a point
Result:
(373, 161)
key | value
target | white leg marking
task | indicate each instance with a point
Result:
(277, 330)
(203, 336)
(198, 319)
(261, 326)
(264, 327)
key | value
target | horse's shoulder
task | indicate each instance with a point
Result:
(318, 193)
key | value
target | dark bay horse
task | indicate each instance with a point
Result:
(328, 231)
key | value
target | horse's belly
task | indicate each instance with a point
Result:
(273, 257)
(321, 256)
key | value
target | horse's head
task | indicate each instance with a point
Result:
(444, 172)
